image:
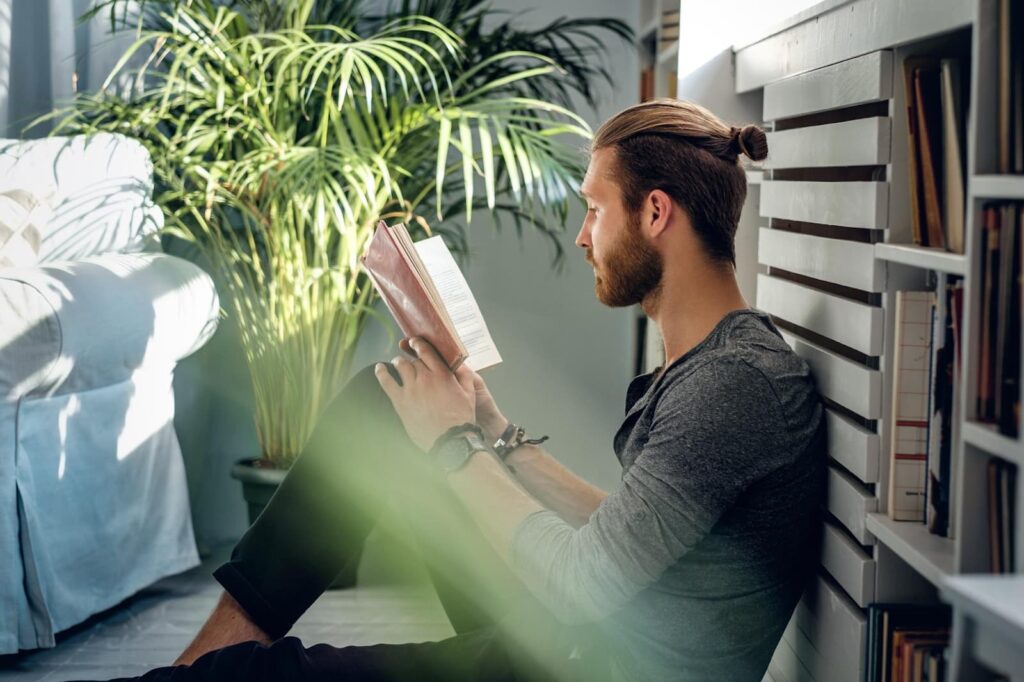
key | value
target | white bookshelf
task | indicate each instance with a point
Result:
(998, 186)
(929, 555)
(988, 624)
(938, 260)
(834, 246)
(985, 437)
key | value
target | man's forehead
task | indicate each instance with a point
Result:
(598, 171)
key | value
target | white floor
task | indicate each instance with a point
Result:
(152, 628)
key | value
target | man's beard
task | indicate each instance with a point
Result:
(631, 272)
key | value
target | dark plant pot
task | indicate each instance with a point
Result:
(259, 483)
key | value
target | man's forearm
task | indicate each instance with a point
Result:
(495, 501)
(554, 486)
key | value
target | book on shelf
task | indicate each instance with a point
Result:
(909, 434)
(909, 418)
(1010, 88)
(935, 144)
(943, 410)
(1002, 490)
(924, 413)
(647, 84)
(422, 286)
(952, 155)
(998, 386)
(906, 642)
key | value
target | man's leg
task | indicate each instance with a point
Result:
(479, 655)
(358, 457)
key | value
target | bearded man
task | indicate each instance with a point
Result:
(689, 570)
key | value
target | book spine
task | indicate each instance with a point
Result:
(908, 451)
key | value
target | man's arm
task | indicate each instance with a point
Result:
(543, 476)
(554, 486)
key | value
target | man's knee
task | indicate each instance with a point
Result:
(362, 392)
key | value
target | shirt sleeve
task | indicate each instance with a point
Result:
(712, 436)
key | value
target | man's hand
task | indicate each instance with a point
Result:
(488, 416)
(430, 399)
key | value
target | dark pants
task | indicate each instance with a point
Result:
(358, 461)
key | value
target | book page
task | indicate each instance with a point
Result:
(416, 261)
(459, 302)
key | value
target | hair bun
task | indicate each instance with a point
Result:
(750, 140)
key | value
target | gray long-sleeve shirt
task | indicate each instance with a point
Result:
(693, 565)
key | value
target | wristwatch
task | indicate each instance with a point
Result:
(453, 452)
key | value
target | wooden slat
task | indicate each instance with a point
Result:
(847, 204)
(854, 81)
(850, 264)
(850, 503)
(855, 325)
(835, 628)
(852, 385)
(849, 564)
(853, 446)
(844, 32)
(787, 662)
(862, 142)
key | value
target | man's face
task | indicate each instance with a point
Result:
(626, 267)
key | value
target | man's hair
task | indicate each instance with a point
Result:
(687, 152)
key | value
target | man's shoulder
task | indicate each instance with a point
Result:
(752, 361)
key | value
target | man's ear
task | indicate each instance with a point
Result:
(659, 213)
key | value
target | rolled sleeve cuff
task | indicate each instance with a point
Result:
(260, 611)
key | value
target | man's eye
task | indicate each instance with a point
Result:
(592, 209)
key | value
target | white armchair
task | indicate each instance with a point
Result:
(93, 498)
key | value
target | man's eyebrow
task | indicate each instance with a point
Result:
(584, 194)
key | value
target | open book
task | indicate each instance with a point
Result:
(428, 296)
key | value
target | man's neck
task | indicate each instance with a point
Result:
(689, 304)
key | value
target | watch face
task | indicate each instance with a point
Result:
(454, 452)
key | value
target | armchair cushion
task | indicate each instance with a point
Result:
(101, 190)
(85, 325)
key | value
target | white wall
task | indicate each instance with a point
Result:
(567, 358)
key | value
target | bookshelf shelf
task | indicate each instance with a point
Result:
(990, 604)
(988, 438)
(922, 257)
(930, 555)
(998, 186)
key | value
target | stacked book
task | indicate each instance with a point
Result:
(924, 412)
(1002, 482)
(1010, 124)
(935, 134)
(907, 643)
(998, 398)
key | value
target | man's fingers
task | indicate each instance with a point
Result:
(406, 369)
(387, 382)
(478, 382)
(466, 377)
(426, 352)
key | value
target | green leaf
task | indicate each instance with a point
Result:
(443, 141)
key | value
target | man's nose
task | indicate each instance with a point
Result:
(583, 238)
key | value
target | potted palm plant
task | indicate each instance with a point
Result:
(282, 131)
